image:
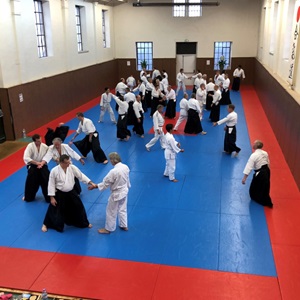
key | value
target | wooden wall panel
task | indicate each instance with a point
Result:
(283, 113)
(7, 120)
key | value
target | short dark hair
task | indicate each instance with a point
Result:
(232, 106)
(169, 127)
(193, 95)
(106, 88)
(79, 114)
(35, 137)
(64, 157)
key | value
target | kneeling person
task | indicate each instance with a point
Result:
(65, 205)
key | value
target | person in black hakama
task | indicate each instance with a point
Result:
(139, 117)
(230, 131)
(65, 205)
(123, 133)
(61, 131)
(193, 124)
(260, 186)
(238, 75)
(171, 106)
(157, 98)
(91, 140)
(225, 91)
(37, 171)
(210, 89)
(215, 106)
(129, 97)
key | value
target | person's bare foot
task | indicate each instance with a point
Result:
(103, 231)
(124, 228)
(105, 162)
(175, 180)
(44, 228)
(90, 226)
(23, 198)
(203, 133)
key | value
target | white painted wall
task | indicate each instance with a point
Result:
(233, 20)
(19, 61)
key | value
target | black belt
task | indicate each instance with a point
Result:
(230, 126)
(123, 115)
(262, 167)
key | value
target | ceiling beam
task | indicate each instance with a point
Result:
(144, 4)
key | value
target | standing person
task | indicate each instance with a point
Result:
(165, 74)
(118, 181)
(37, 172)
(210, 90)
(122, 132)
(171, 106)
(158, 123)
(157, 97)
(91, 140)
(141, 88)
(260, 185)
(230, 131)
(65, 205)
(215, 106)
(138, 127)
(225, 91)
(193, 124)
(219, 78)
(155, 73)
(131, 83)
(201, 97)
(129, 97)
(197, 83)
(105, 106)
(165, 83)
(184, 107)
(56, 150)
(120, 88)
(238, 75)
(172, 148)
(148, 95)
(180, 81)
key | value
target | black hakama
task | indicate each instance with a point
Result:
(144, 102)
(236, 84)
(260, 187)
(122, 131)
(215, 113)
(194, 89)
(209, 100)
(36, 178)
(148, 96)
(171, 109)
(68, 210)
(60, 132)
(230, 140)
(138, 127)
(84, 146)
(130, 114)
(193, 124)
(154, 104)
(225, 100)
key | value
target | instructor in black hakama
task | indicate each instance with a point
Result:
(260, 186)
(122, 132)
(138, 127)
(215, 106)
(65, 205)
(238, 75)
(171, 106)
(91, 141)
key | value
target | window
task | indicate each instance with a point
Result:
(40, 28)
(187, 10)
(289, 32)
(78, 28)
(222, 49)
(144, 52)
(105, 29)
(274, 25)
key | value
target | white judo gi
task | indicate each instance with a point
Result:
(118, 181)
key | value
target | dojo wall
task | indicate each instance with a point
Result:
(283, 113)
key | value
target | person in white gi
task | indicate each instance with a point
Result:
(238, 75)
(155, 73)
(201, 97)
(37, 172)
(180, 81)
(65, 205)
(171, 150)
(158, 123)
(131, 83)
(121, 88)
(105, 106)
(118, 181)
(184, 107)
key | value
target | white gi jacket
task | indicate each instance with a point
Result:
(171, 147)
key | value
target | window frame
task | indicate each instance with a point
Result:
(78, 19)
(40, 28)
(144, 55)
(218, 53)
(191, 11)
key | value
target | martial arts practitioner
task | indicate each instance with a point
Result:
(171, 150)
(171, 106)
(91, 140)
(238, 75)
(225, 91)
(230, 131)
(105, 100)
(121, 88)
(131, 83)
(129, 97)
(165, 83)
(37, 172)
(184, 107)
(180, 81)
(56, 150)
(158, 123)
(122, 132)
(193, 124)
(141, 89)
(260, 184)
(210, 90)
(61, 131)
(65, 205)
(157, 97)
(215, 106)
(201, 97)
(219, 78)
(155, 73)
(148, 96)
(139, 117)
(118, 181)
(197, 83)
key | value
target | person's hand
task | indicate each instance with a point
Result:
(102, 107)
(71, 143)
(139, 120)
(82, 161)
(53, 201)
(243, 181)
(158, 132)
(178, 145)
(215, 123)
(182, 150)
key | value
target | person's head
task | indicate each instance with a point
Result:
(138, 98)
(139, 81)
(210, 80)
(185, 95)
(230, 108)
(114, 158)
(127, 90)
(239, 67)
(202, 86)
(150, 80)
(169, 88)
(37, 139)
(199, 75)
(257, 144)
(226, 75)
(169, 127)
(122, 80)
(164, 71)
(193, 95)
(217, 72)
(181, 70)
(204, 76)
(216, 87)
(80, 116)
(64, 160)
(57, 143)
(107, 90)
(160, 108)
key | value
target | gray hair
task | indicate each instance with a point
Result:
(57, 139)
(114, 157)
(258, 144)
